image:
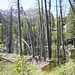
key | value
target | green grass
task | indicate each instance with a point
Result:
(5, 68)
(64, 69)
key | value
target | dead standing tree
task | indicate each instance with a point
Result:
(19, 28)
(62, 37)
(6, 36)
(43, 33)
(73, 9)
(50, 26)
(57, 33)
(40, 28)
(10, 33)
(48, 40)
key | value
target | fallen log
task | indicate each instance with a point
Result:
(7, 59)
(43, 66)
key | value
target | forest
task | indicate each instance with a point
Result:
(38, 42)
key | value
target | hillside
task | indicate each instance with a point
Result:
(2, 19)
(30, 13)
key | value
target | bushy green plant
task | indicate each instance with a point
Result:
(21, 67)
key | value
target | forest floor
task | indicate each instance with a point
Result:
(44, 68)
(6, 68)
(32, 61)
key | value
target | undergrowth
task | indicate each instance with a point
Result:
(21, 67)
(66, 69)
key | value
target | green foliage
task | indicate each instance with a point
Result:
(2, 50)
(1, 65)
(54, 35)
(2, 29)
(70, 25)
(2, 19)
(21, 67)
(52, 22)
(66, 69)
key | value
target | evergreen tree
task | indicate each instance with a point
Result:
(71, 26)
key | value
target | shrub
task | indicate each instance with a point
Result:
(21, 67)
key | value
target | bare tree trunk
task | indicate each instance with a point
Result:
(50, 25)
(17, 49)
(43, 33)
(40, 28)
(62, 37)
(74, 24)
(44, 52)
(10, 32)
(74, 42)
(74, 38)
(34, 38)
(57, 33)
(48, 40)
(19, 27)
(24, 33)
(6, 35)
(73, 9)
(26, 43)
